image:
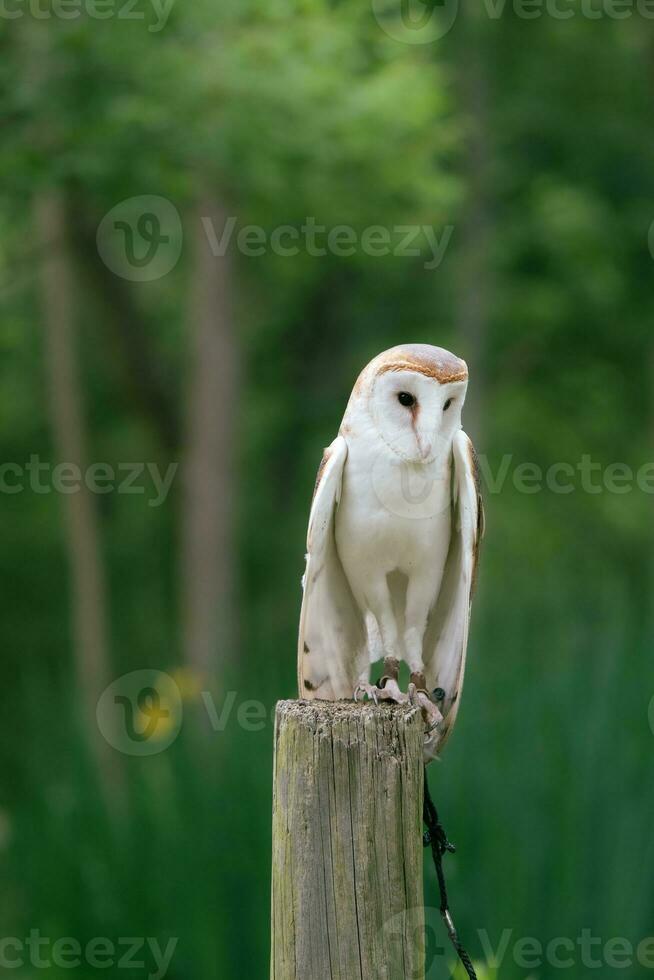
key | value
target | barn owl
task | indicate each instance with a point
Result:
(393, 541)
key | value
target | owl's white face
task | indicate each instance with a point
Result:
(415, 415)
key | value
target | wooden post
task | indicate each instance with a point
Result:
(347, 887)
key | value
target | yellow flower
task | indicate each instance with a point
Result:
(190, 682)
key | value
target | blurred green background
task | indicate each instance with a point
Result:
(530, 140)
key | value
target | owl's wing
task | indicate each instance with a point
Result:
(446, 636)
(331, 626)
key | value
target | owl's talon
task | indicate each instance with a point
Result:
(363, 690)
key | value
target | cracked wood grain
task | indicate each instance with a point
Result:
(347, 898)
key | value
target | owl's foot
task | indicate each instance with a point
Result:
(430, 712)
(391, 691)
(386, 690)
(365, 690)
(388, 685)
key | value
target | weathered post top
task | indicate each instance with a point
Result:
(347, 887)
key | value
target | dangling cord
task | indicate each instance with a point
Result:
(436, 837)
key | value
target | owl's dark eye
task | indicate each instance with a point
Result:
(406, 399)
(447, 404)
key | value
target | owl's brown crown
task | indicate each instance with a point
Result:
(433, 362)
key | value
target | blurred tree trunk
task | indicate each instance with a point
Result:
(475, 287)
(82, 533)
(145, 372)
(208, 573)
(650, 546)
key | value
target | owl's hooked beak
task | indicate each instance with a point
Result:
(424, 446)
